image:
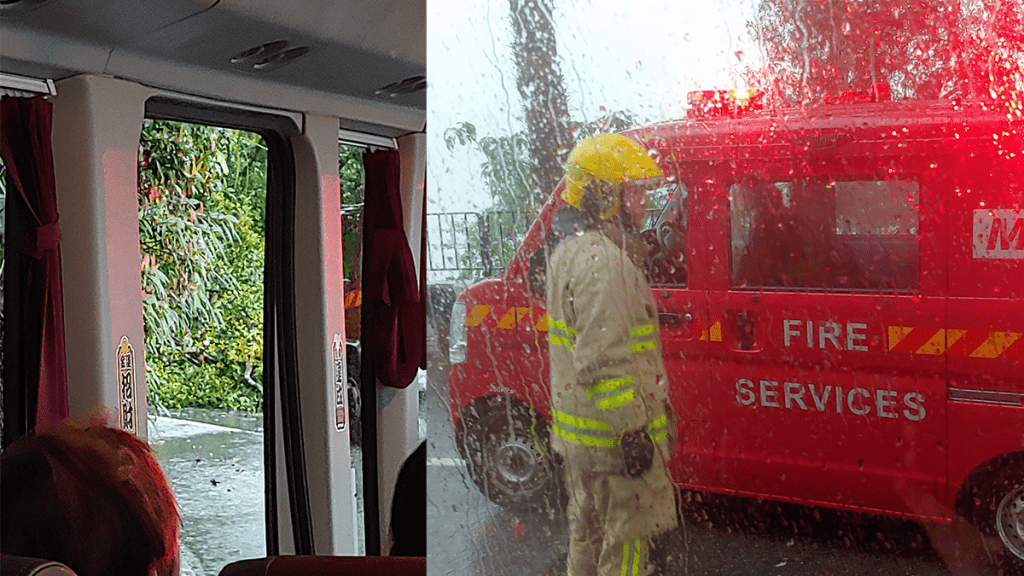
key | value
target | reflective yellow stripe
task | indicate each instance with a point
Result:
(561, 335)
(592, 432)
(641, 338)
(586, 439)
(620, 399)
(658, 428)
(585, 431)
(641, 346)
(611, 393)
(610, 385)
(630, 558)
(564, 329)
(560, 341)
(580, 422)
(641, 330)
(636, 559)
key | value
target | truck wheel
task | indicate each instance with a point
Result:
(355, 407)
(508, 454)
(998, 509)
(353, 360)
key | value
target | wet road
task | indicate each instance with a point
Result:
(468, 535)
(214, 463)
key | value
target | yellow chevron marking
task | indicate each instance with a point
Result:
(513, 317)
(898, 333)
(716, 331)
(953, 335)
(995, 344)
(477, 315)
(543, 323)
(935, 346)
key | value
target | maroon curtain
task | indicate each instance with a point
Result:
(28, 156)
(394, 313)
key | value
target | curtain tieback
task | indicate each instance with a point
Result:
(38, 241)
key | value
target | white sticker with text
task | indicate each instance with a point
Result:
(999, 234)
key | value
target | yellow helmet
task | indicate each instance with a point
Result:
(610, 158)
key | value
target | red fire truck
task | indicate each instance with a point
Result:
(841, 302)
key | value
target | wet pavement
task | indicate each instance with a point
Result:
(469, 535)
(214, 462)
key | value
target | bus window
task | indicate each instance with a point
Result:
(202, 206)
(227, 330)
(841, 335)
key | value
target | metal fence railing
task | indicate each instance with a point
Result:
(470, 245)
(474, 244)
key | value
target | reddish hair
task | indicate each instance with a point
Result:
(90, 496)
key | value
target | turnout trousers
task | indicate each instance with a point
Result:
(613, 517)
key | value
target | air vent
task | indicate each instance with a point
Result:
(269, 56)
(403, 87)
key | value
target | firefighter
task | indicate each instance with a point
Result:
(611, 419)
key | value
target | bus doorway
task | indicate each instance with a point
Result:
(202, 229)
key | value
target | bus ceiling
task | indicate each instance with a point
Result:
(362, 59)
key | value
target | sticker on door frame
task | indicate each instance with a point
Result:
(127, 413)
(340, 393)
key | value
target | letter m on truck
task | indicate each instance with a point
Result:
(999, 234)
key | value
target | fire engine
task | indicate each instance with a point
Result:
(841, 304)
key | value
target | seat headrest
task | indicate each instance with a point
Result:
(11, 565)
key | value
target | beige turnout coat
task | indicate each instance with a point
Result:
(607, 375)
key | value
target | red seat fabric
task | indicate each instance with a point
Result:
(328, 566)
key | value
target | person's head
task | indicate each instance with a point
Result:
(607, 178)
(91, 497)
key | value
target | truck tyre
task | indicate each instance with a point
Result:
(998, 508)
(506, 448)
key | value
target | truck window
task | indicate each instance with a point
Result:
(666, 232)
(821, 234)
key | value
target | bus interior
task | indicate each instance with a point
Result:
(306, 77)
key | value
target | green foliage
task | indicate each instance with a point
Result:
(507, 175)
(506, 170)
(202, 198)
(350, 172)
(815, 51)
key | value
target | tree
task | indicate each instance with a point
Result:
(350, 174)
(541, 87)
(508, 179)
(508, 158)
(201, 225)
(817, 49)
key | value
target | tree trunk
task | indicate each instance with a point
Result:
(540, 85)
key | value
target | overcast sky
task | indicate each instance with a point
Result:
(641, 57)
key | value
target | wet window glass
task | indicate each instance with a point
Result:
(773, 249)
